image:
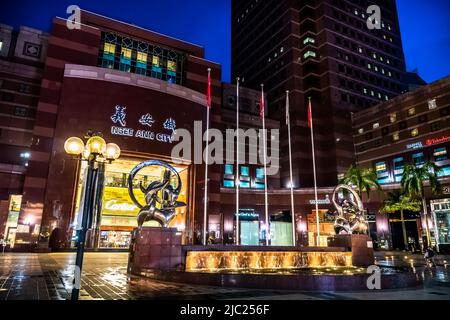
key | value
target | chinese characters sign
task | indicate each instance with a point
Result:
(146, 120)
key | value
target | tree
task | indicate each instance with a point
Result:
(399, 201)
(413, 180)
(363, 179)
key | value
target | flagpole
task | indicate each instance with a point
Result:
(266, 204)
(205, 204)
(310, 120)
(237, 180)
(288, 122)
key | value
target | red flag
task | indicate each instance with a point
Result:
(208, 94)
(261, 104)
(309, 114)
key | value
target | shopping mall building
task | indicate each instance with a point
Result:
(68, 82)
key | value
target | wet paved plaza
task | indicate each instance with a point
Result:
(48, 276)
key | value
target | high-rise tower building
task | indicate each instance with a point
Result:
(321, 49)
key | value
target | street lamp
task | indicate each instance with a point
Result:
(95, 152)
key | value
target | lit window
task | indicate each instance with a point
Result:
(365, 90)
(372, 93)
(376, 68)
(125, 53)
(418, 158)
(432, 104)
(155, 61)
(109, 48)
(141, 57)
(374, 55)
(309, 54)
(369, 66)
(411, 111)
(125, 60)
(380, 166)
(393, 117)
(396, 136)
(141, 62)
(259, 173)
(399, 163)
(245, 172)
(1, 45)
(440, 154)
(388, 61)
(258, 185)
(227, 183)
(361, 130)
(386, 98)
(309, 40)
(390, 74)
(244, 184)
(383, 71)
(376, 125)
(229, 169)
(414, 132)
(156, 67)
(360, 50)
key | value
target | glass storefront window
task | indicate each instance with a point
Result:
(441, 215)
(281, 233)
(114, 239)
(249, 231)
(118, 212)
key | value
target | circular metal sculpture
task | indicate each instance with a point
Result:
(160, 196)
(350, 213)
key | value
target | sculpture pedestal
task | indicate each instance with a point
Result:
(360, 245)
(154, 248)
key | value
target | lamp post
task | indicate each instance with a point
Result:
(94, 152)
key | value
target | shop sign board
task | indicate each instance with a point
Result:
(120, 127)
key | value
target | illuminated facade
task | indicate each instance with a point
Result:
(136, 87)
(411, 128)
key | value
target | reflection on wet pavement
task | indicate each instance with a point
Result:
(50, 276)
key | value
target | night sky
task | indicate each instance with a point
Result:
(424, 25)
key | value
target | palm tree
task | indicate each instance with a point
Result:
(363, 179)
(399, 201)
(413, 179)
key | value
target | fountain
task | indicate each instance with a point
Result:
(158, 253)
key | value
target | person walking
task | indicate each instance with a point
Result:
(3, 243)
(429, 257)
